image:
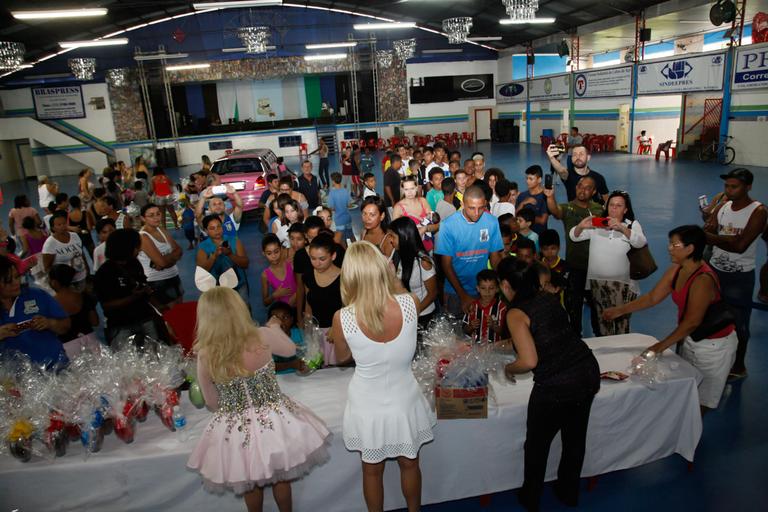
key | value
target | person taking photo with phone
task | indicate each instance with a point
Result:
(570, 178)
(611, 237)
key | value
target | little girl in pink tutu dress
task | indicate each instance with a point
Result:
(258, 436)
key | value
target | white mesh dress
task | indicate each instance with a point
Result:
(387, 416)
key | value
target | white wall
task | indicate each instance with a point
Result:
(660, 129)
(749, 135)
(599, 126)
(474, 67)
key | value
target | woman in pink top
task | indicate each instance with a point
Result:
(278, 276)
(417, 209)
(694, 287)
(257, 436)
(21, 209)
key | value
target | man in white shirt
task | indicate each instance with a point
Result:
(733, 230)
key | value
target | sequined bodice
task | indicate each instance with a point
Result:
(244, 399)
(259, 390)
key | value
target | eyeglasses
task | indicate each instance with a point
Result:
(675, 245)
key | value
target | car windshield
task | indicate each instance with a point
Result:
(237, 165)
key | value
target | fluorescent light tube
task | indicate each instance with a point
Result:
(101, 42)
(58, 13)
(201, 6)
(160, 56)
(537, 21)
(242, 49)
(330, 45)
(485, 38)
(181, 67)
(378, 26)
(327, 56)
(446, 50)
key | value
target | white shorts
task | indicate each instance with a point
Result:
(714, 359)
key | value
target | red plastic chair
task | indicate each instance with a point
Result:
(609, 144)
(406, 140)
(596, 144)
(545, 142)
(181, 320)
(343, 145)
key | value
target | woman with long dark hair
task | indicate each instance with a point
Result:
(414, 267)
(608, 268)
(375, 223)
(566, 378)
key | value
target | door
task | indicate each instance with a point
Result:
(623, 131)
(483, 124)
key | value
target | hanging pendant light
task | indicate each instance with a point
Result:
(11, 55)
(457, 29)
(521, 10)
(254, 39)
(83, 68)
(404, 49)
(384, 58)
(117, 77)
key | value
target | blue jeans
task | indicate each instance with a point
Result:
(323, 172)
(346, 230)
(737, 289)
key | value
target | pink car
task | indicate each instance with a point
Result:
(246, 170)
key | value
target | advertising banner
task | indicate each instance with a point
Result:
(511, 92)
(603, 83)
(682, 74)
(549, 88)
(751, 68)
(64, 102)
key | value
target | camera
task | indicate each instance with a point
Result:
(548, 182)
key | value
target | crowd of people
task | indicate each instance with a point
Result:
(445, 235)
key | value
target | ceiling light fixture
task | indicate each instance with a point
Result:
(328, 56)
(83, 68)
(384, 26)
(201, 6)
(100, 42)
(182, 67)
(485, 38)
(117, 77)
(350, 44)
(254, 38)
(160, 56)
(243, 49)
(534, 21)
(521, 9)
(457, 29)
(446, 50)
(11, 55)
(58, 14)
(404, 49)
(384, 58)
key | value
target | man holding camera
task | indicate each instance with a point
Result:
(580, 159)
(576, 253)
(214, 196)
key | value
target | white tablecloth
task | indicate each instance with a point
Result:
(630, 425)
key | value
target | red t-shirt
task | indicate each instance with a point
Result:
(161, 185)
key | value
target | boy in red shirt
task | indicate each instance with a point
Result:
(486, 316)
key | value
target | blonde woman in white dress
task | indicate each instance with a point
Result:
(387, 416)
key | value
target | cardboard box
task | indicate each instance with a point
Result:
(461, 403)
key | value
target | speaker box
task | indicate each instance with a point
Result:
(645, 35)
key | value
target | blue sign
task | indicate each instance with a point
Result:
(511, 92)
(751, 68)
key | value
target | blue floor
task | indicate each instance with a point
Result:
(732, 458)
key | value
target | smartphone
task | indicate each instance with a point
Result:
(600, 222)
(548, 181)
(225, 244)
(23, 326)
(218, 190)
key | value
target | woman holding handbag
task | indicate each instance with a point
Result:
(704, 324)
(611, 238)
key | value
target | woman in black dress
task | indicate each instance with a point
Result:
(566, 378)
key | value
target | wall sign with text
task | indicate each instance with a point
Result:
(549, 88)
(64, 102)
(603, 83)
(751, 67)
(511, 92)
(682, 74)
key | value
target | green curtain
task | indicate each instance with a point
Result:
(314, 98)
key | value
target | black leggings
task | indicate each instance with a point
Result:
(323, 171)
(546, 417)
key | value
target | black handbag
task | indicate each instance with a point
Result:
(718, 316)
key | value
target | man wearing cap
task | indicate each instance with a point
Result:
(733, 230)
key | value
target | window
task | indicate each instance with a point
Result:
(289, 141)
(237, 165)
(219, 144)
(602, 60)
